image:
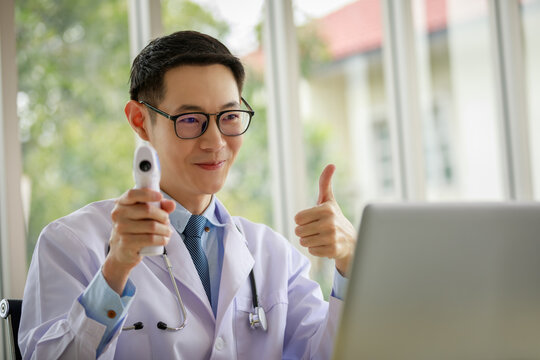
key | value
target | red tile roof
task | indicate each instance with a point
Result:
(357, 27)
(354, 28)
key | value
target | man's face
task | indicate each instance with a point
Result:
(193, 169)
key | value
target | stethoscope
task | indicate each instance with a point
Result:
(257, 318)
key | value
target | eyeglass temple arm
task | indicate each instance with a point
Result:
(155, 109)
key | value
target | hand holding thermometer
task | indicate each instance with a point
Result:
(147, 174)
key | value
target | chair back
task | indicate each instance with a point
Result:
(10, 310)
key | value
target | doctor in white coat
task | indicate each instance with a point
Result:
(90, 294)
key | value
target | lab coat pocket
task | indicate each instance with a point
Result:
(135, 344)
(257, 343)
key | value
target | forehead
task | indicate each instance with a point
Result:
(200, 84)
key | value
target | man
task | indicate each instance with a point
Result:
(88, 284)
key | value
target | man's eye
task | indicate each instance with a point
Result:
(188, 120)
(232, 116)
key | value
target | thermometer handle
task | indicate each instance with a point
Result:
(147, 174)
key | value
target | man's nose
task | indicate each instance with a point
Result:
(212, 139)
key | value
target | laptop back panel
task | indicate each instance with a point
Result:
(444, 281)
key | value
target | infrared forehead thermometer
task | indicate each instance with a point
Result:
(147, 173)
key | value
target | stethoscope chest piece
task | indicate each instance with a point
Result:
(257, 319)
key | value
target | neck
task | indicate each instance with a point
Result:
(194, 204)
(198, 207)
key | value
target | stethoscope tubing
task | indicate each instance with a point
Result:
(178, 297)
(257, 318)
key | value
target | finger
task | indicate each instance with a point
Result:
(130, 245)
(132, 227)
(313, 214)
(328, 251)
(139, 211)
(307, 230)
(323, 228)
(314, 241)
(325, 184)
(134, 196)
(306, 216)
(138, 241)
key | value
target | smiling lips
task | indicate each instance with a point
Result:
(213, 165)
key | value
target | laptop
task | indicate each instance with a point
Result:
(444, 281)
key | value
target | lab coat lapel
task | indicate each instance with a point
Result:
(183, 268)
(237, 264)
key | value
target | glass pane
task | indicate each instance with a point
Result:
(73, 61)
(457, 93)
(247, 191)
(344, 106)
(530, 10)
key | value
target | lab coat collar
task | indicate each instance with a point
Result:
(237, 263)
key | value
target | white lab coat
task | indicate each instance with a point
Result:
(71, 250)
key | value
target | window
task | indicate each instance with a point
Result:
(463, 155)
(73, 61)
(344, 106)
(343, 101)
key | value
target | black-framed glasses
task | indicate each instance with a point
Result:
(193, 124)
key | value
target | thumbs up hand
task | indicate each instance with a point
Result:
(324, 230)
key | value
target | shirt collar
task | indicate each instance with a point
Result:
(180, 216)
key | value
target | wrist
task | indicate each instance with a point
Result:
(342, 266)
(115, 274)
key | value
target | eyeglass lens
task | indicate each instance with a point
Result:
(230, 123)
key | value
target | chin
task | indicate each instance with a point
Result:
(211, 189)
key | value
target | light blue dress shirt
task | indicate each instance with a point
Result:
(98, 295)
(211, 241)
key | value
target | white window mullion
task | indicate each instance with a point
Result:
(403, 101)
(144, 23)
(284, 126)
(510, 78)
(12, 227)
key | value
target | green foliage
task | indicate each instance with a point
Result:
(312, 49)
(321, 150)
(73, 60)
(187, 15)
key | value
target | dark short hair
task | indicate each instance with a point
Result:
(170, 51)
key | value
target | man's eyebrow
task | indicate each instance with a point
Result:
(232, 104)
(188, 107)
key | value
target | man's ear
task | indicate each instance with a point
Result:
(138, 118)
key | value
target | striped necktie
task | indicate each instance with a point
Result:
(192, 239)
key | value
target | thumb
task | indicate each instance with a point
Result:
(325, 184)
